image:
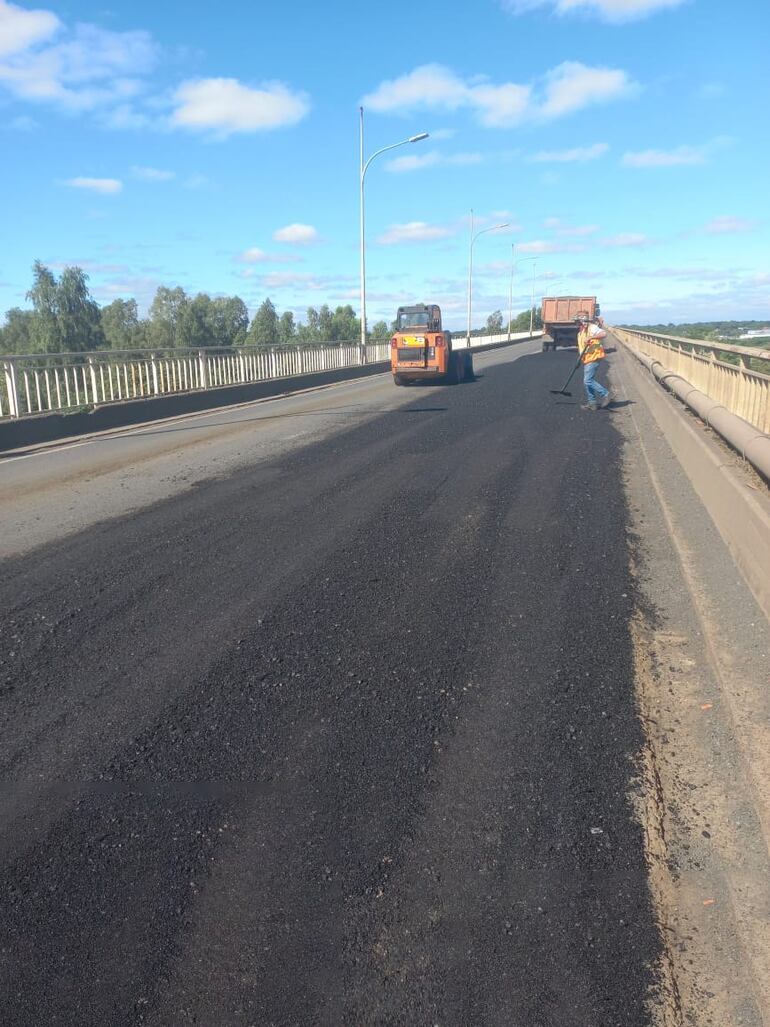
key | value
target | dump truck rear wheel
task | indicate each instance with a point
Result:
(399, 379)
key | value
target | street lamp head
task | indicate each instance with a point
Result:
(418, 137)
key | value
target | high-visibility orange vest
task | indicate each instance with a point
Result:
(591, 348)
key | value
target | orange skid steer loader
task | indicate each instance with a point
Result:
(420, 350)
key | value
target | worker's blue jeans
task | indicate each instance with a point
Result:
(595, 391)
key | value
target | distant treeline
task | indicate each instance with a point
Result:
(707, 330)
(64, 318)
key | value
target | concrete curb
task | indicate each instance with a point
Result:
(30, 431)
(741, 515)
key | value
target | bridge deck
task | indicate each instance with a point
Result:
(356, 729)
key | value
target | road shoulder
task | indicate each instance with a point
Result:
(702, 646)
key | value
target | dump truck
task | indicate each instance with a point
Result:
(559, 315)
(421, 350)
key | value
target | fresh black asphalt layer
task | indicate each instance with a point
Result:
(348, 738)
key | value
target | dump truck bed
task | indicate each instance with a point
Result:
(564, 309)
(558, 316)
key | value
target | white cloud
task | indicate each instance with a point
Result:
(726, 224)
(286, 279)
(301, 235)
(665, 158)
(254, 255)
(607, 10)
(461, 160)
(152, 174)
(710, 90)
(22, 123)
(680, 155)
(501, 106)
(126, 116)
(197, 181)
(89, 68)
(96, 267)
(414, 162)
(431, 87)
(417, 162)
(547, 246)
(579, 154)
(572, 86)
(557, 225)
(413, 231)
(305, 279)
(690, 274)
(105, 186)
(569, 87)
(626, 239)
(21, 29)
(225, 106)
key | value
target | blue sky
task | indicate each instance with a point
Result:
(216, 147)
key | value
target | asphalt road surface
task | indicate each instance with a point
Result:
(342, 736)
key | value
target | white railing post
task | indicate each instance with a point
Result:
(92, 369)
(203, 371)
(11, 387)
(154, 367)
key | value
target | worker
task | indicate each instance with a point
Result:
(591, 352)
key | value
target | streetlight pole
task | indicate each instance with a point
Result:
(473, 239)
(363, 167)
(552, 285)
(510, 290)
(514, 265)
(532, 307)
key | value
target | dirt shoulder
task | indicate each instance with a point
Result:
(702, 647)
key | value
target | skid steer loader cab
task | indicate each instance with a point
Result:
(421, 349)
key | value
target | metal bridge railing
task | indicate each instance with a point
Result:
(41, 383)
(59, 382)
(736, 377)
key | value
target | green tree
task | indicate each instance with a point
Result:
(495, 323)
(194, 325)
(16, 334)
(311, 331)
(314, 321)
(325, 324)
(65, 317)
(521, 322)
(46, 337)
(165, 315)
(287, 332)
(263, 330)
(380, 331)
(78, 315)
(120, 324)
(345, 326)
(228, 321)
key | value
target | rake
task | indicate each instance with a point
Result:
(564, 392)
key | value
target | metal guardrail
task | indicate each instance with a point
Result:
(40, 383)
(739, 387)
(59, 382)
